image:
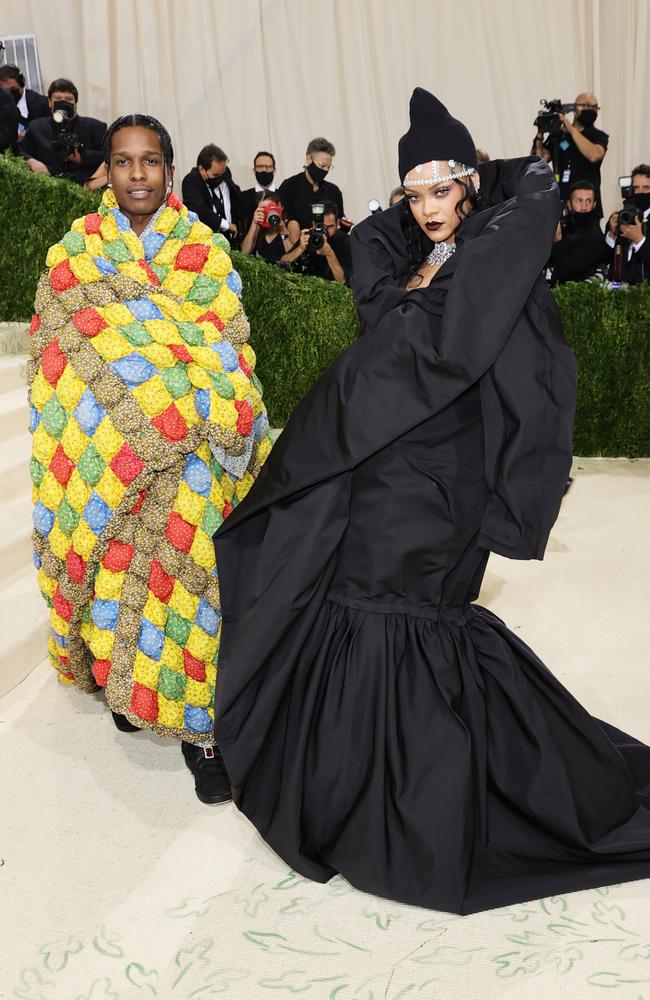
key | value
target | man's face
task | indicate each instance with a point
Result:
(582, 201)
(63, 95)
(137, 171)
(331, 224)
(14, 87)
(322, 160)
(586, 102)
(263, 165)
(215, 171)
(640, 184)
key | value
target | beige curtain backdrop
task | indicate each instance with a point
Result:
(271, 74)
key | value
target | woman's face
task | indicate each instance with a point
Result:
(434, 206)
(137, 173)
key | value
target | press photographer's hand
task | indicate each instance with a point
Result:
(633, 233)
(325, 250)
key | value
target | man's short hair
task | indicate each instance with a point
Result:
(321, 145)
(209, 154)
(582, 186)
(263, 152)
(10, 72)
(330, 208)
(64, 87)
(643, 168)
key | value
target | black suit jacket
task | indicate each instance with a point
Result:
(636, 270)
(197, 198)
(39, 143)
(9, 120)
(38, 105)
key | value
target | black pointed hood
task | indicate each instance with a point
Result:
(433, 135)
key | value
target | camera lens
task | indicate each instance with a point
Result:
(316, 239)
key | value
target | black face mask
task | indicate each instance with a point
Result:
(588, 117)
(67, 110)
(581, 220)
(15, 93)
(214, 182)
(317, 173)
(264, 177)
(642, 200)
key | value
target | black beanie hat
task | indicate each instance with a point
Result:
(433, 135)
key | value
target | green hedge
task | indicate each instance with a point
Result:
(36, 211)
(298, 324)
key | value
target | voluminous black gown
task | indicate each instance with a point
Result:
(374, 721)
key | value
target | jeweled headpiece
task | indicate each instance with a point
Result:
(435, 136)
(435, 177)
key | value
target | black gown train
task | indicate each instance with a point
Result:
(374, 721)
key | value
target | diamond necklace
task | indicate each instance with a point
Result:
(441, 252)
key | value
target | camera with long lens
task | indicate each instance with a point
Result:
(548, 122)
(318, 232)
(66, 142)
(629, 214)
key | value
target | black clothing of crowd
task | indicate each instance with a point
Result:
(210, 190)
(73, 148)
(47, 131)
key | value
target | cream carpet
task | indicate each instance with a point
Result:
(117, 884)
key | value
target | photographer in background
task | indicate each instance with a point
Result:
(210, 191)
(628, 229)
(338, 237)
(268, 236)
(264, 170)
(30, 104)
(65, 144)
(581, 148)
(579, 248)
(299, 193)
(314, 253)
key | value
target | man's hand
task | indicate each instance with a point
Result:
(74, 157)
(325, 250)
(232, 228)
(304, 238)
(633, 233)
(567, 126)
(558, 233)
(613, 223)
(37, 167)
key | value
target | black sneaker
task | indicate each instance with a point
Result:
(211, 779)
(123, 724)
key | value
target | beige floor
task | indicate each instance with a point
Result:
(117, 884)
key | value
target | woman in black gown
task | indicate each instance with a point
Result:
(374, 721)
